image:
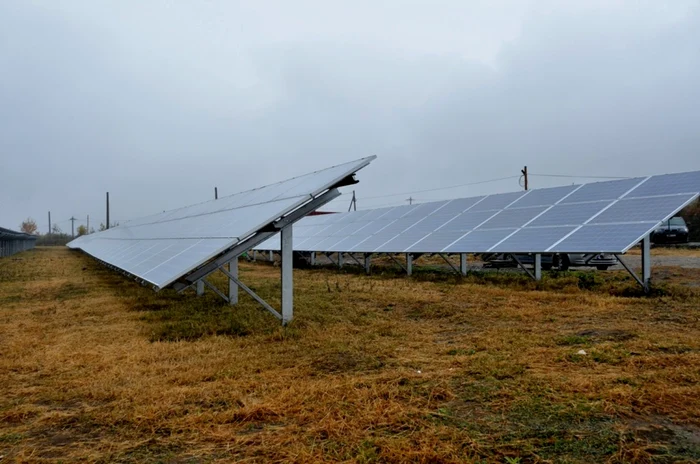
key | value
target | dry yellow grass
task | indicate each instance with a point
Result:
(669, 251)
(382, 368)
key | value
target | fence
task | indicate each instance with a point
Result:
(12, 242)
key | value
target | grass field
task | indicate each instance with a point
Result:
(381, 368)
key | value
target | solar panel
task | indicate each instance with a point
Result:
(606, 216)
(499, 201)
(609, 190)
(650, 209)
(468, 220)
(668, 184)
(544, 197)
(532, 238)
(570, 214)
(457, 206)
(165, 247)
(513, 217)
(478, 240)
(436, 241)
(603, 238)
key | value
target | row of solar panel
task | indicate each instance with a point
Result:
(600, 217)
(164, 247)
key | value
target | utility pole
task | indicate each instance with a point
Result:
(49, 222)
(524, 172)
(107, 212)
(72, 226)
(216, 193)
(353, 202)
(409, 200)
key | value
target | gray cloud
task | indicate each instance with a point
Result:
(160, 103)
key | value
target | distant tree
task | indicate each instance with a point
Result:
(82, 230)
(29, 226)
(103, 227)
(56, 230)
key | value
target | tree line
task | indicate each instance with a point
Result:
(57, 236)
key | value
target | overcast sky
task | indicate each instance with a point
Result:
(157, 102)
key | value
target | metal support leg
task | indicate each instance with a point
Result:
(287, 278)
(368, 262)
(312, 261)
(272, 256)
(255, 255)
(340, 260)
(200, 288)
(232, 286)
(463, 263)
(538, 266)
(409, 263)
(646, 263)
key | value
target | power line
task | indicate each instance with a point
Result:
(440, 188)
(578, 177)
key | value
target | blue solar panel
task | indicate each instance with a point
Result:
(426, 209)
(685, 182)
(458, 206)
(399, 211)
(544, 197)
(652, 209)
(610, 190)
(526, 222)
(498, 201)
(600, 238)
(510, 218)
(532, 238)
(468, 221)
(478, 241)
(436, 241)
(570, 214)
(376, 214)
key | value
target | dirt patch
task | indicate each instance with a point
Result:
(668, 438)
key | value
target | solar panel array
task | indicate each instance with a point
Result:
(12, 242)
(164, 247)
(599, 217)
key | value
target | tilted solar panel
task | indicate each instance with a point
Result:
(610, 216)
(162, 248)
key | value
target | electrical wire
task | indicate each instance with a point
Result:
(439, 188)
(576, 177)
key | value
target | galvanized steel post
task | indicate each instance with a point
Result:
(646, 262)
(232, 286)
(463, 263)
(287, 275)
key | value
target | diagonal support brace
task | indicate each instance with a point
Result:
(253, 295)
(215, 290)
(454, 268)
(523, 267)
(633, 274)
(398, 262)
